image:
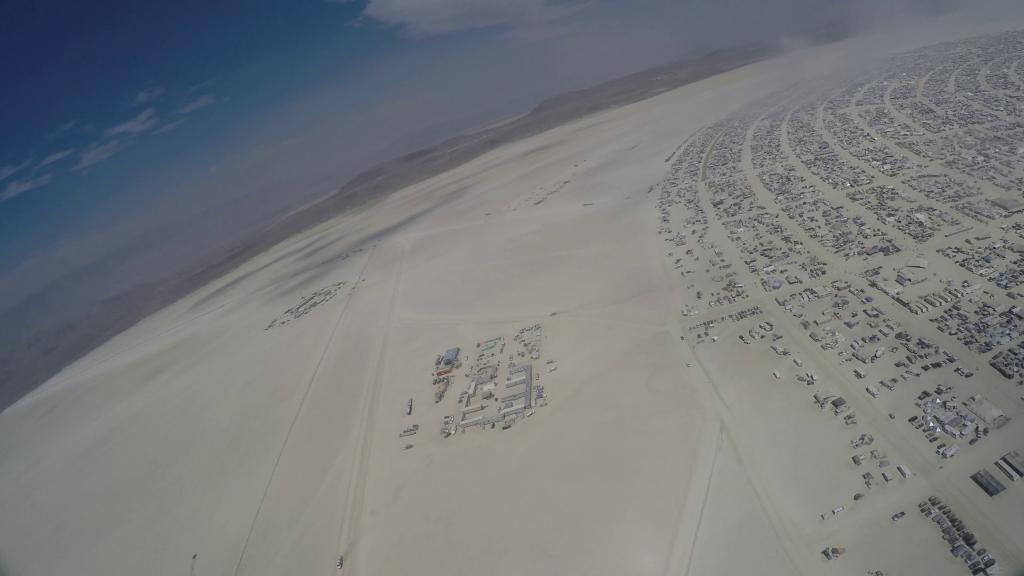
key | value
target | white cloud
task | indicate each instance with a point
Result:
(17, 187)
(201, 86)
(442, 16)
(12, 169)
(55, 157)
(198, 103)
(148, 94)
(169, 126)
(97, 153)
(140, 123)
(63, 129)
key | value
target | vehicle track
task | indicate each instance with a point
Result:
(298, 410)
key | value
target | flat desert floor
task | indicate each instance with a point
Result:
(254, 427)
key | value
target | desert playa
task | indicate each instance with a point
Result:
(633, 390)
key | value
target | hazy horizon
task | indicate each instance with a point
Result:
(166, 162)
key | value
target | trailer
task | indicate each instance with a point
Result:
(1005, 468)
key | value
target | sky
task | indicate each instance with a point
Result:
(142, 135)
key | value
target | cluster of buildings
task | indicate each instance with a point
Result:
(842, 128)
(1000, 261)
(307, 304)
(927, 302)
(919, 221)
(1010, 363)
(684, 223)
(771, 253)
(963, 544)
(907, 183)
(487, 401)
(1010, 464)
(958, 195)
(814, 151)
(702, 329)
(799, 185)
(982, 326)
(945, 419)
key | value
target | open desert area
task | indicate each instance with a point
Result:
(747, 326)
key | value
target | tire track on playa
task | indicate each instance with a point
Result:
(704, 500)
(720, 428)
(684, 540)
(355, 497)
(725, 424)
(683, 536)
(298, 410)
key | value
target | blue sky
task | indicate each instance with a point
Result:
(146, 133)
(119, 118)
(109, 108)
